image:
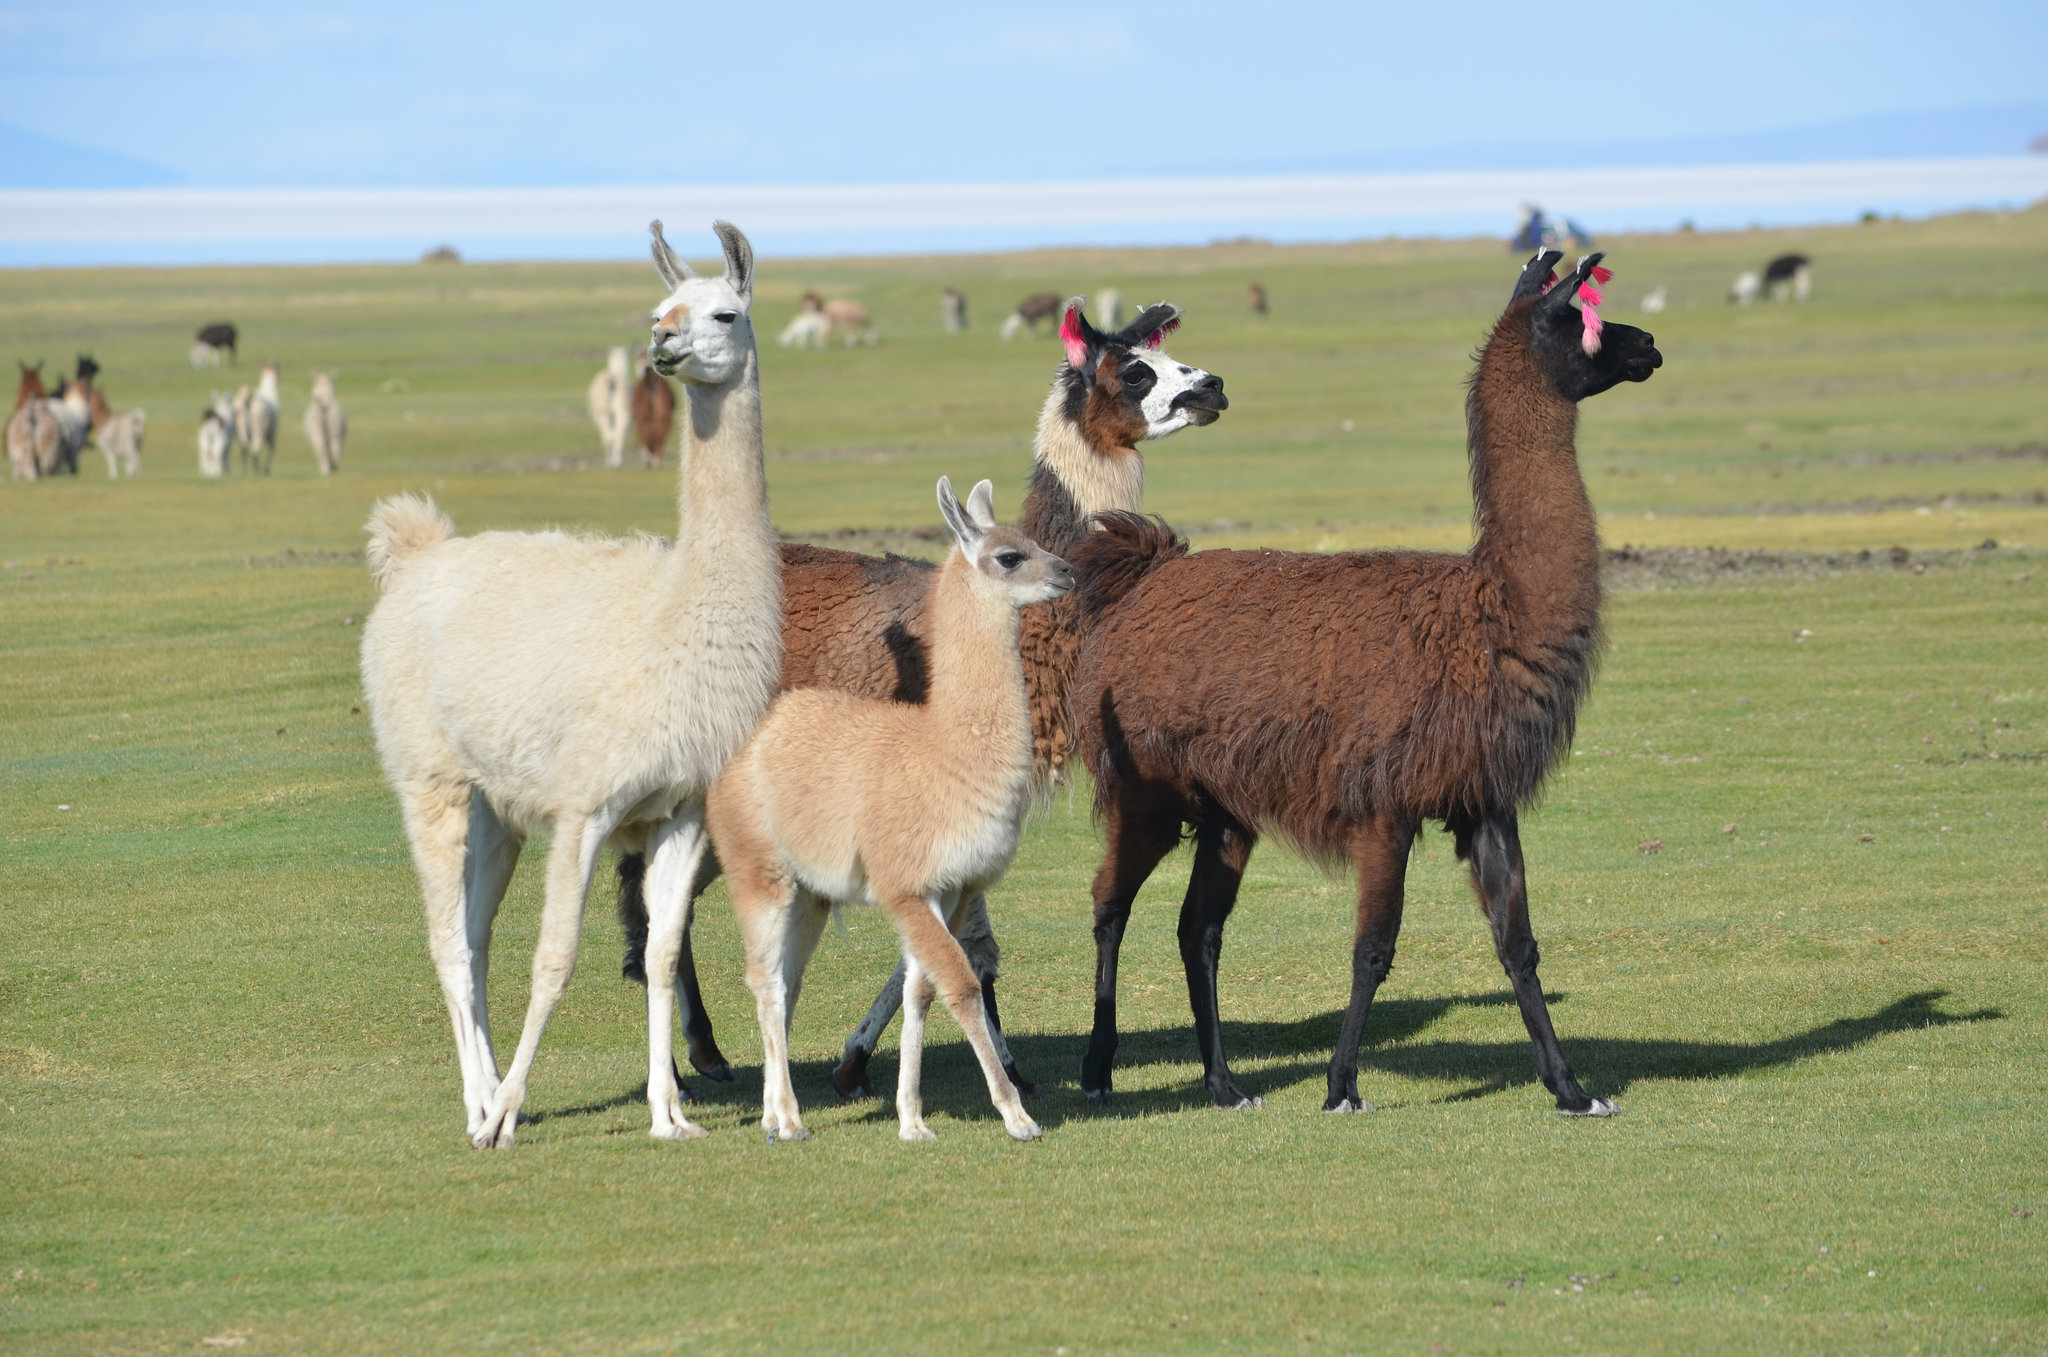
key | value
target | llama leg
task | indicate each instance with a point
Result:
(1494, 847)
(1137, 834)
(1380, 851)
(493, 853)
(765, 901)
(851, 1077)
(703, 1045)
(437, 823)
(923, 924)
(1221, 851)
(978, 940)
(674, 851)
(572, 857)
(917, 1002)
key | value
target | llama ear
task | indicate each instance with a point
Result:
(1078, 335)
(962, 527)
(739, 259)
(1152, 326)
(673, 271)
(1536, 275)
(1560, 297)
(981, 505)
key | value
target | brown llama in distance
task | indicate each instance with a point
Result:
(1341, 700)
(654, 414)
(862, 624)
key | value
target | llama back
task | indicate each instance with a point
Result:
(400, 528)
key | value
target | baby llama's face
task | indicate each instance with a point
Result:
(702, 332)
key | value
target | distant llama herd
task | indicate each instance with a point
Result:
(827, 728)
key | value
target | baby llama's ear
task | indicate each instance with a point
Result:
(957, 521)
(674, 272)
(739, 259)
(981, 505)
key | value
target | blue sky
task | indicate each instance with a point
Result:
(525, 94)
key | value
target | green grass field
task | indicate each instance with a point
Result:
(231, 1105)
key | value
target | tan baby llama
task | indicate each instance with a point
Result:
(837, 797)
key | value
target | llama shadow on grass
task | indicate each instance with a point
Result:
(1292, 1053)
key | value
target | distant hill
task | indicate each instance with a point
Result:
(31, 160)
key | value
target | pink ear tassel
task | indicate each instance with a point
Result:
(1590, 340)
(1589, 294)
(1602, 274)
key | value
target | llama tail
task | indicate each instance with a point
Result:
(1111, 561)
(400, 528)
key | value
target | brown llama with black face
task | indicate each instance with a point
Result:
(1341, 700)
(863, 624)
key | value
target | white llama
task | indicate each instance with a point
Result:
(1109, 309)
(326, 424)
(1655, 300)
(120, 440)
(216, 437)
(810, 328)
(591, 686)
(838, 797)
(256, 421)
(611, 405)
(1745, 288)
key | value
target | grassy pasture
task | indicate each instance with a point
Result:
(228, 1104)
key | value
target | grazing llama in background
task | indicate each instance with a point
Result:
(1255, 298)
(45, 434)
(1340, 700)
(953, 310)
(119, 436)
(1789, 277)
(654, 414)
(1655, 300)
(809, 328)
(1745, 288)
(208, 344)
(611, 405)
(256, 421)
(1039, 306)
(848, 320)
(863, 623)
(915, 808)
(591, 686)
(326, 424)
(216, 437)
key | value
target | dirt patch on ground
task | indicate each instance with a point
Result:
(1666, 567)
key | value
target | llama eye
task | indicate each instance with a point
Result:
(1009, 560)
(1139, 379)
(726, 317)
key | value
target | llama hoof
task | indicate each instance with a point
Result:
(775, 1135)
(850, 1080)
(682, 1089)
(678, 1130)
(1025, 1130)
(916, 1132)
(1597, 1107)
(717, 1071)
(1348, 1105)
(1099, 1097)
(1237, 1102)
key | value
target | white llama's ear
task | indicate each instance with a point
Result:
(981, 505)
(962, 527)
(673, 271)
(739, 259)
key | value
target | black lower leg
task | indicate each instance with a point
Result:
(633, 915)
(697, 1035)
(1025, 1088)
(1221, 851)
(1380, 852)
(1495, 849)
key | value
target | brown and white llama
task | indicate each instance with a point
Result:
(863, 623)
(211, 341)
(1341, 700)
(611, 405)
(256, 421)
(326, 424)
(592, 686)
(45, 434)
(654, 414)
(119, 436)
(1039, 306)
(838, 797)
(25, 431)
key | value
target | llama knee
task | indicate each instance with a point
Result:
(1519, 957)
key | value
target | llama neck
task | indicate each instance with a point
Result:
(1536, 529)
(1093, 480)
(724, 528)
(977, 686)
